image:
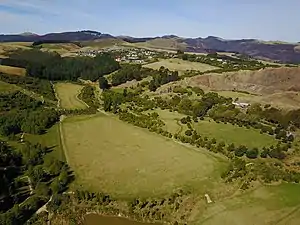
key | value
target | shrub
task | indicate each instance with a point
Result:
(252, 153)
(188, 133)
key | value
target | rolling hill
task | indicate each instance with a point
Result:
(276, 51)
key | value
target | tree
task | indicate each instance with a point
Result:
(152, 86)
(240, 151)
(231, 147)
(290, 138)
(103, 83)
(42, 190)
(252, 153)
(56, 186)
(64, 177)
(188, 133)
(180, 52)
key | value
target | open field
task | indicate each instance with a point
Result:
(180, 65)
(234, 134)
(223, 132)
(5, 87)
(109, 155)
(7, 47)
(68, 95)
(12, 70)
(264, 205)
(51, 139)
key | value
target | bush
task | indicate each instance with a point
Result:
(252, 153)
(240, 151)
(188, 133)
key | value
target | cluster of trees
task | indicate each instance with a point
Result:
(45, 178)
(86, 111)
(133, 100)
(266, 171)
(162, 76)
(87, 95)
(39, 86)
(195, 108)
(51, 66)
(20, 113)
(130, 72)
(256, 117)
(159, 209)
(10, 162)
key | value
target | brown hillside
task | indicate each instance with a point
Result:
(267, 81)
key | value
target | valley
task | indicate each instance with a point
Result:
(178, 139)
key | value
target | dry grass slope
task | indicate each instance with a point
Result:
(7, 47)
(109, 155)
(67, 94)
(277, 86)
(60, 48)
(12, 70)
(180, 65)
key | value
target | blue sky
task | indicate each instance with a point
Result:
(229, 19)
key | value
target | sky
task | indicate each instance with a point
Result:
(229, 19)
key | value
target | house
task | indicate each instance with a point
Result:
(241, 104)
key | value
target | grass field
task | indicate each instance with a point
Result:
(12, 70)
(5, 87)
(67, 94)
(223, 132)
(51, 139)
(265, 205)
(180, 65)
(109, 155)
(234, 134)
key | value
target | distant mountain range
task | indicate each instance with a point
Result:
(276, 51)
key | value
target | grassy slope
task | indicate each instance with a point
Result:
(162, 43)
(5, 87)
(180, 65)
(222, 132)
(60, 48)
(103, 43)
(51, 139)
(264, 205)
(67, 94)
(7, 47)
(12, 70)
(285, 99)
(127, 161)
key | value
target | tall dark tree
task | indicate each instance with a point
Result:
(103, 83)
